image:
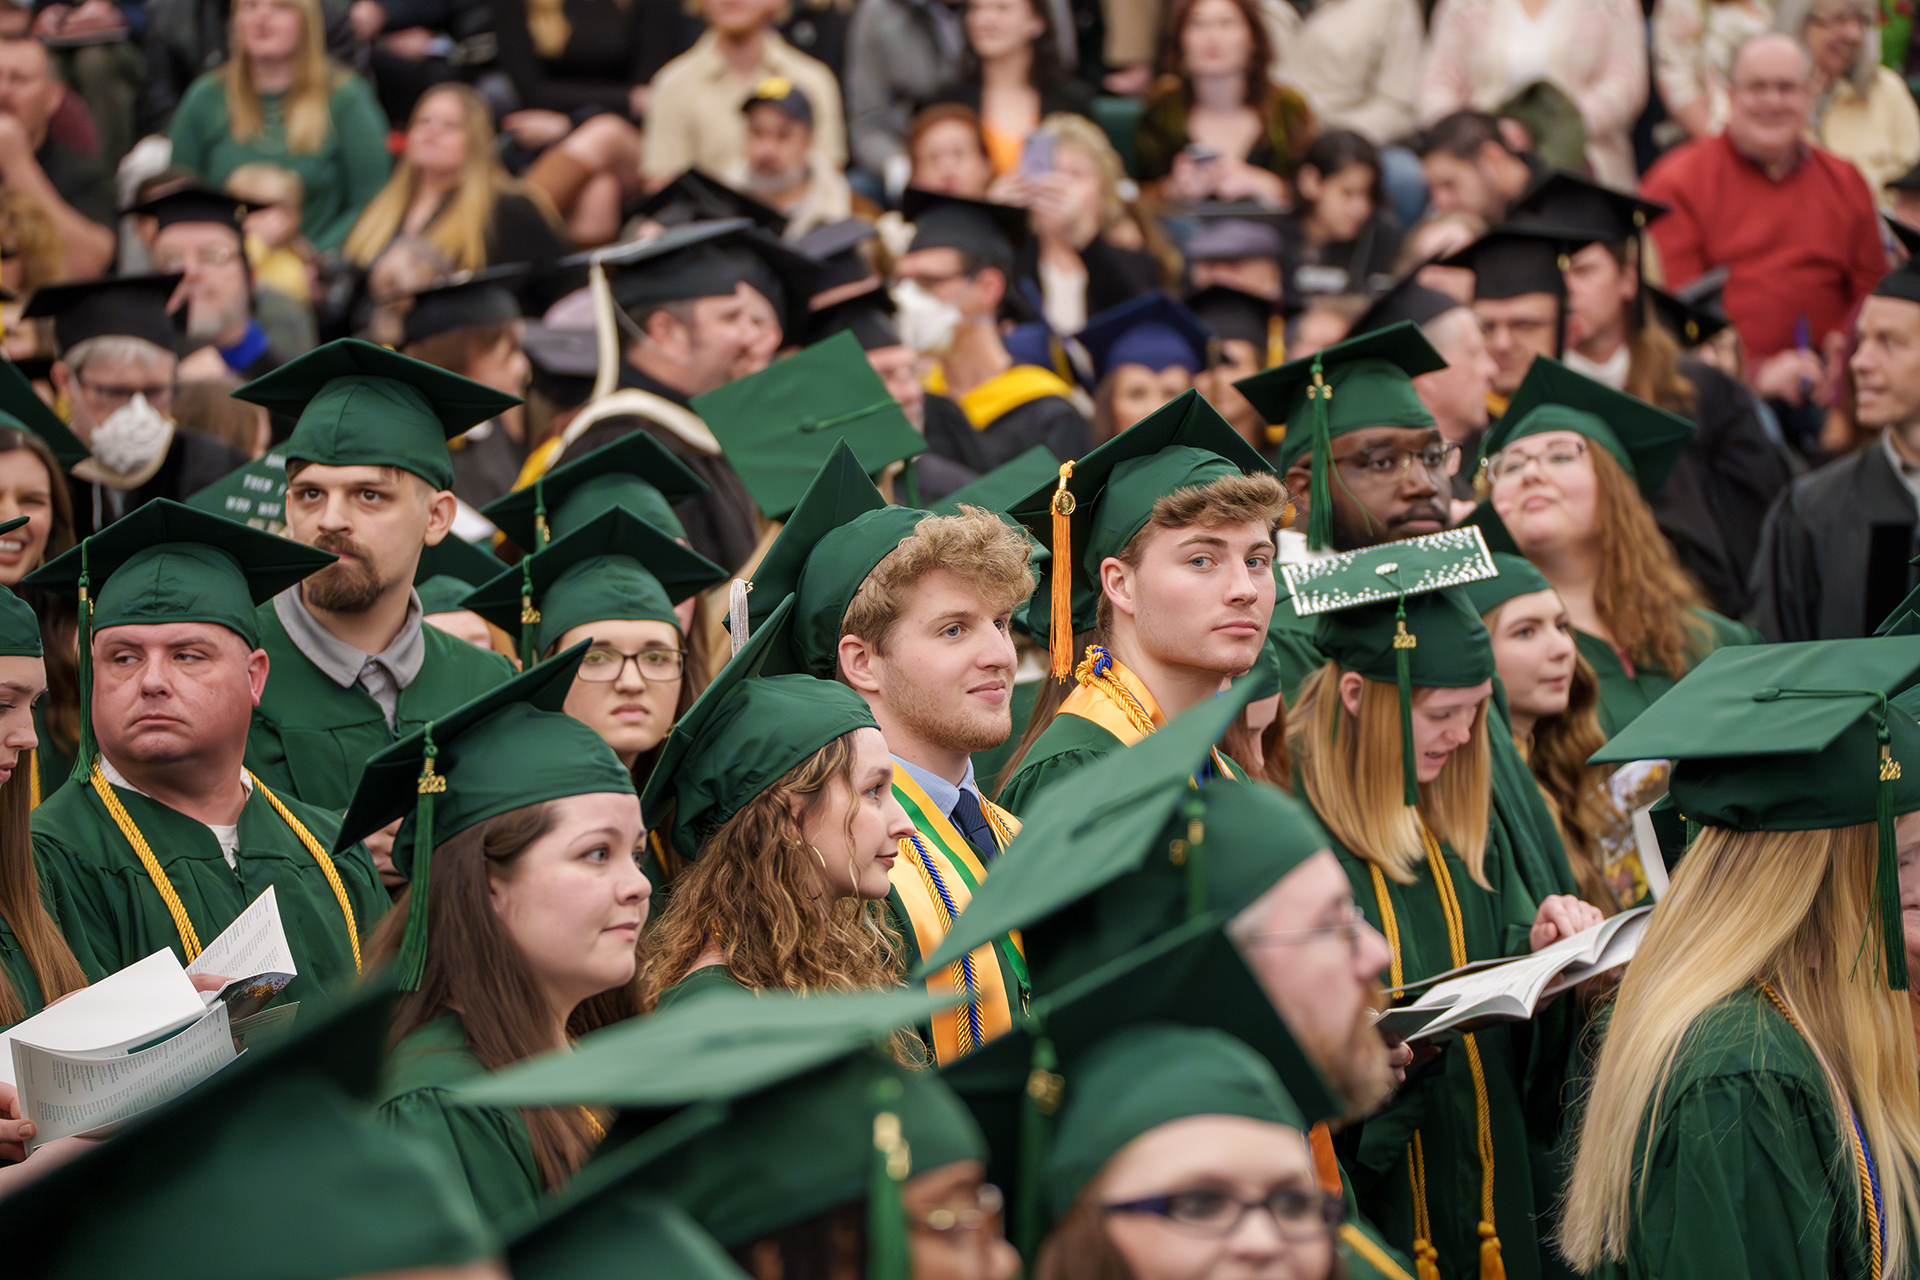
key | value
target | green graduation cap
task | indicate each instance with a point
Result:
(450, 569)
(1517, 577)
(620, 1235)
(1003, 486)
(292, 1119)
(1794, 737)
(167, 562)
(616, 567)
(254, 493)
(19, 624)
(744, 733)
(1363, 382)
(23, 410)
(636, 472)
(1387, 613)
(1092, 508)
(1905, 618)
(839, 532)
(808, 1114)
(1646, 441)
(363, 405)
(777, 426)
(510, 747)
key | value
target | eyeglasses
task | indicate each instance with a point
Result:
(1389, 463)
(1299, 1216)
(1352, 923)
(603, 666)
(1512, 460)
(984, 1214)
(159, 395)
(207, 255)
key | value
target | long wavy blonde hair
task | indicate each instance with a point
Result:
(1789, 908)
(315, 78)
(460, 230)
(1350, 767)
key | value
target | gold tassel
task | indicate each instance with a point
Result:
(1061, 636)
(1426, 1260)
(1491, 1267)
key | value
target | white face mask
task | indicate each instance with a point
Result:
(132, 436)
(927, 323)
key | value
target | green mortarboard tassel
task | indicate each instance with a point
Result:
(412, 960)
(1320, 486)
(1041, 1100)
(1192, 852)
(889, 1257)
(529, 616)
(542, 535)
(1404, 642)
(83, 754)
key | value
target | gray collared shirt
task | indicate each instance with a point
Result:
(943, 793)
(382, 675)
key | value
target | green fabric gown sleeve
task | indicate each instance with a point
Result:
(1520, 811)
(713, 977)
(488, 1144)
(79, 906)
(199, 119)
(1038, 776)
(267, 757)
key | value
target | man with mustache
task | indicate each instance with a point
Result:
(369, 479)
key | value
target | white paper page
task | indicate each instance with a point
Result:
(65, 1095)
(143, 1000)
(1652, 865)
(1620, 948)
(254, 943)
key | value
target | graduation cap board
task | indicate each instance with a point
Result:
(1353, 385)
(1387, 613)
(465, 301)
(563, 361)
(511, 747)
(22, 409)
(758, 719)
(255, 494)
(1234, 315)
(836, 247)
(196, 204)
(1095, 505)
(1695, 312)
(636, 471)
(1405, 299)
(1006, 484)
(1794, 737)
(361, 405)
(1508, 264)
(166, 562)
(777, 426)
(291, 1117)
(448, 571)
(867, 316)
(1646, 441)
(1903, 282)
(636, 1234)
(694, 197)
(122, 306)
(1151, 330)
(705, 260)
(992, 234)
(1577, 211)
(616, 567)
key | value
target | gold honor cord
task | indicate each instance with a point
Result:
(189, 938)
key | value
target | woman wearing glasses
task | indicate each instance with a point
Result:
(1179, 1154)
(1569, 470)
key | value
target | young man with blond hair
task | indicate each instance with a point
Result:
(912, 611)
(1170, 551)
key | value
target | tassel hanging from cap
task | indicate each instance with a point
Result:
(1404, 643)
(1044, 1092)
(411, 963)
(1190, 853)
(83, 753)
(542, 535)
(529, 616)
(606, 333)
(889, 1257)
(1320, 485)
(1887, 873)
(1060, 637)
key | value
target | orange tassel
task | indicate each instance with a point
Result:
(1491, 1267)
(1426, 1260)
(1061, 634)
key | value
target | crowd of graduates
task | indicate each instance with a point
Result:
(767, 836)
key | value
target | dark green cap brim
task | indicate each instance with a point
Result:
(1645, 440)
(453, 557)
(19, 625)
(1518, 577)
(1000, 488)
(636, 455)
(23, 410)
(1371, 377)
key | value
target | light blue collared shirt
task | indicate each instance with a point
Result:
(943, 793)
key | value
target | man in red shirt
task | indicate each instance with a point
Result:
(1795, 227)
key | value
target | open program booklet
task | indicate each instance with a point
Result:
(144, 1035)
(1510, 990)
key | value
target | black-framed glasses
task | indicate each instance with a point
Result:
(1350, 927)
(158, 395)
(1388, 463)
(982, 1215)
(604, 665)
(1299, 1216)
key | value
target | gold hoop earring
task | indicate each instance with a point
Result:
(820, 856)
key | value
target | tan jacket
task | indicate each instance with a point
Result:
(1878, 130)
(694, 120)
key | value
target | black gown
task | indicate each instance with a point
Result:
(194, 461)
(1049, 420)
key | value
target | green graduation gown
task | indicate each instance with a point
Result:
(310, 737)
(113, 915)
(1070, 744)
(713, 977)
(16, 970)
(1438, 1100)
(1623, 696)
(53, 763)
(490, 1145)
(1747, 1172)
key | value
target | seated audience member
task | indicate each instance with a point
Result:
(1237, 252)
(1145, 352)
(30, 251)
(1340, 237)
(94, 47)
(410, 264)
(1216, 125)
(281, 259)
(280, 100)
(1357, 63)
(951, 284)
(1087, 250)
(1519, 297)
(207, 405)
(1483, 53)
(1862, 111)
(1693, 42)
(1252, 337)
(472, 327)
(450, 189)
(895, 50)
(118, 371)
(1794, 225)
(782, 167)
(1472, 168)
(1435, 236)
(695, 121)
(197, 237)
(76, 191)
(1013, 75)
(948, 152)
(412, 45)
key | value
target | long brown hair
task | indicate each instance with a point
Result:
(46, 949)
(1260, 86)
(1653, 354)
(1642, 594)
(754, 891)
(315, 77)
(1276, 760)
(474, 969)
(59, 618)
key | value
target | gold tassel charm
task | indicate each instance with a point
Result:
(1491, 1267)
(1061, 619)
(1426, 1260)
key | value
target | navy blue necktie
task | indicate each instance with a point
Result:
(973, 825)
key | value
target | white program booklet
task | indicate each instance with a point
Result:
(1512, 989)
(252, 953)
(144, 1000)
(65, 1094)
